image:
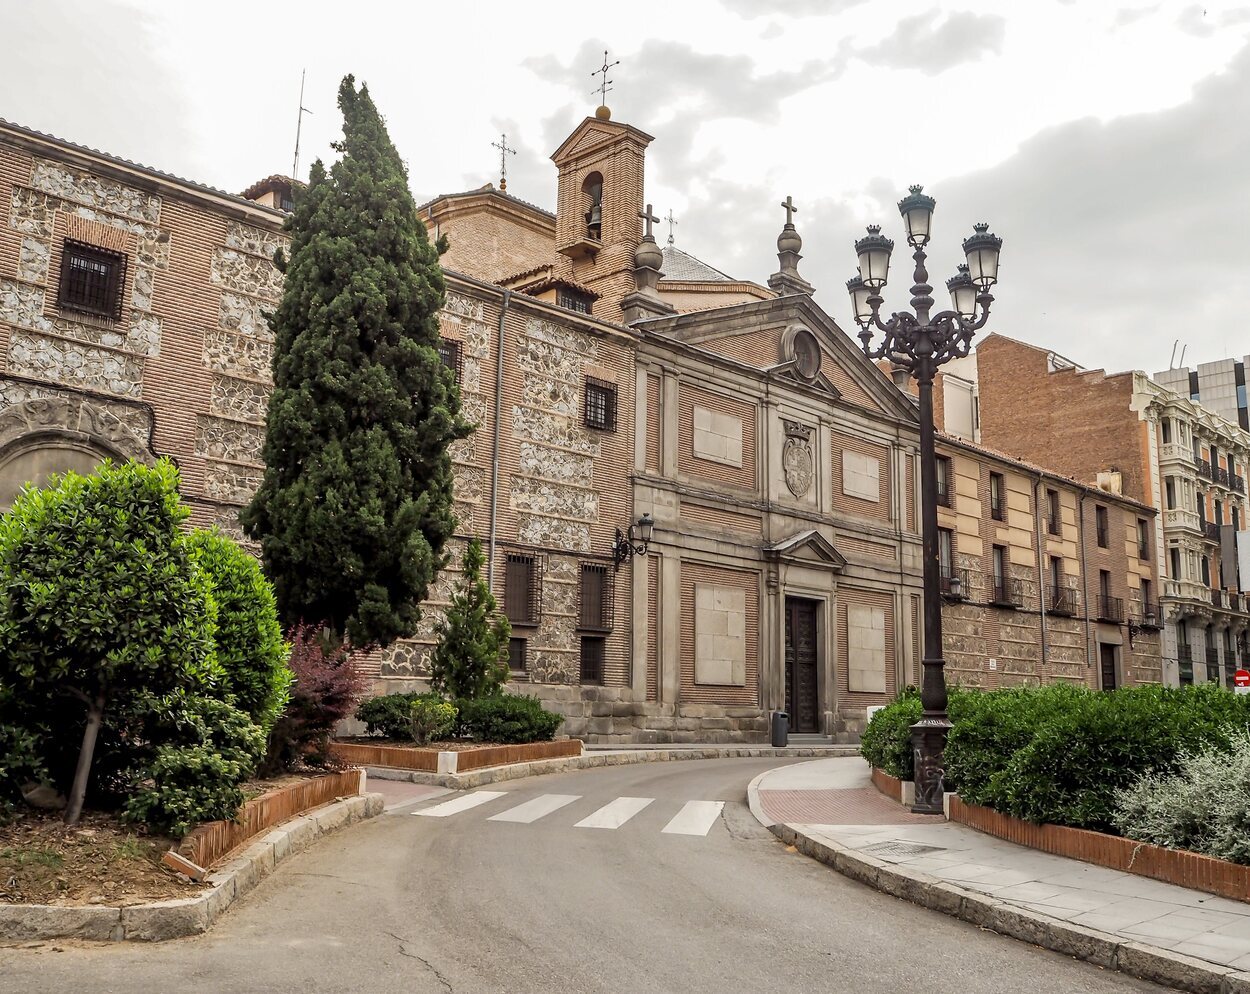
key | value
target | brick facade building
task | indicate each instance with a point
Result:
(778, 465)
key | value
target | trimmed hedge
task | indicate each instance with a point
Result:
(1059, 754)
(505, 718)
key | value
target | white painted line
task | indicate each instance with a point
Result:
(458, 804)
(537, 808)
(616, 813)
(695, 818)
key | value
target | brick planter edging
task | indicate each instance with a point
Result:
(190, 916)
(902, 791)
(450, 761)
(208, 844)
(1173, 866)
(1160, 966)
(590, 760)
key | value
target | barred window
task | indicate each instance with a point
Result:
(574, 300)
(92, 280)
(596, 597)
(600, 406)
(592, 659)
(521, 589)
(449, 353)
(516, 655)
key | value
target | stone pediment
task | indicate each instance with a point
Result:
(593, 132)
(809, 548)
(764, 334)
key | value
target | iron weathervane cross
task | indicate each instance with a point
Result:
(920, 343)
(672, 223)
(605, 84)
(504, 152)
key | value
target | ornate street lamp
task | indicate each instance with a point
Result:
(635, 543)
(920, 343)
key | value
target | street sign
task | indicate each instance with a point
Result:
(1241, 682)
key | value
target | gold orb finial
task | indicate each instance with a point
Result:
(602, 112)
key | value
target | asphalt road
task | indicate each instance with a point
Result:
(467, 904)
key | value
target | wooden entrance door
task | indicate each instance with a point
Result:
(802, 690)
(1106, 657)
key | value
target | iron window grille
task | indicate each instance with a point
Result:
(574, 300)
(950, 588)
(1110, 608)
(451, 355)
(1053, 516)
(596, 610)
(592, 659)
(599, 410)
(522, 594)
(517, 662)
(1100, 524)
(92, 280)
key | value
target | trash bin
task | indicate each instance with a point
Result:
(781, 729)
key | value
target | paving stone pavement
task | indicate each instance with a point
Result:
(1133, 908)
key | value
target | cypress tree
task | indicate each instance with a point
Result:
(356, 500)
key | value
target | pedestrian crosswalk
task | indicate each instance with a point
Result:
(693, 818)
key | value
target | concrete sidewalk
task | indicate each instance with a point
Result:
(1160, 932)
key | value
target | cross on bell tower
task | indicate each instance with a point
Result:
(504, 152)
(791, 210)
(605, 85)
(672, 223)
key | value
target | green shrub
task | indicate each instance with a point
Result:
(886, 742)
(468, 660)
(507, 718)
(990, 727)
(250, 648)
(1202, 806)
(210, 748)
(431, 719)
(1078, 758)
(390, 715)
(101, 598)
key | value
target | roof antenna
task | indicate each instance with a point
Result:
(299, 121)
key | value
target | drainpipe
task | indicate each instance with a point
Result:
(1041, 583)
(1080, 537)
(494, 449)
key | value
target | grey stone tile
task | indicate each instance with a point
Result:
(1215, 948)
(1114, 917)
(1022, 893)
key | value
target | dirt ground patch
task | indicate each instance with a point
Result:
(98, 861)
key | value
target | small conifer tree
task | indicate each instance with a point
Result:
(356, 501)
(472, 637)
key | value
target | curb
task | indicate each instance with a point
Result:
(190, 916)
(541, 767)
(1160, 966)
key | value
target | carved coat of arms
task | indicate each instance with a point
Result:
(796, 458)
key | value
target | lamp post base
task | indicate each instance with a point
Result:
(928, 744)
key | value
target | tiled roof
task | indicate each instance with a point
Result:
(684, 267)
(160, 174)
(268, 183)
(488, 188)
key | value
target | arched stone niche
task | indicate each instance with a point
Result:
(56, 434)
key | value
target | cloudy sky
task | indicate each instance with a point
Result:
(1105, 140)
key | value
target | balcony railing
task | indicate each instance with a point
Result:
(1175, 451)
(1204, 468)
(1211, 530)
(1185, 663)
(1143, 550)
(1005, 591)
(1213, 664)
(1052, 525)
(998, 511)
(1110, 608)
(1217, 597)
(1062, 601)
(953, 583)
(1147, 615)
(1179, 517)
(943, 497)
(1219, 475)
(1237, 483)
